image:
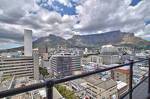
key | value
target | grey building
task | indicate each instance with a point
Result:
(109, 54)
(65, 64)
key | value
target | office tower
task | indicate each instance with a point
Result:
(36, 65)
(109, 54)
(22, 66)
(65, 64)
(27, 42)
(19, 67)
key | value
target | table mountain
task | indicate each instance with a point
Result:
(93, 40)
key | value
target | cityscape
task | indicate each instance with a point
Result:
(74, 49)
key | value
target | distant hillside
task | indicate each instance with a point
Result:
(117, 38)
(94, 40)
(133, 41)
(51, 41)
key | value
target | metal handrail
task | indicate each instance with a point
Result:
(50, 83)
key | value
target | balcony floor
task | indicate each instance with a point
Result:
(141, 92)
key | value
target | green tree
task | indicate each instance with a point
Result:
(66, 92)
(43, 71)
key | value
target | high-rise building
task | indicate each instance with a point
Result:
(110, 55)
(65, 64)
(36, 65)
(27, 42)
(22, 66)
(19, 67)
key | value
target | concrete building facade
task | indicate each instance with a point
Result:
(91, 58)
(110, 55)
(121, 74)
(99, 89)
(20, 67)
(65, 64)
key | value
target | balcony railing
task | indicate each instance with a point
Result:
(49, 84)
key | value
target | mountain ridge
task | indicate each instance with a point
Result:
(95, 40)
(116, 38)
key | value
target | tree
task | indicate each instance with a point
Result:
(43, 71)
(66, 93)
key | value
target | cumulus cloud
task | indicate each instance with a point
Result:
(93, 16)
(107, 15)
(22, 14)
(144, 33)
(11, 12)
(54, 23)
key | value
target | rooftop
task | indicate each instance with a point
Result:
(105, 84)
(121, 85)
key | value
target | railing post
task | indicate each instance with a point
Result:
(130, 79)
(149, 79)
(49, 89)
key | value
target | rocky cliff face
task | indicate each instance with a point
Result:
(93, 40)
(114, 37)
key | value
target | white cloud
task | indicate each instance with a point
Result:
(144, 33)
(94, 16)
(65, 2)
(22, 14)
(106, 15)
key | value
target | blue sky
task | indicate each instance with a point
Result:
(8, 46)
(69, 10)
(59, 7)
(66, 18)
(135, 2)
